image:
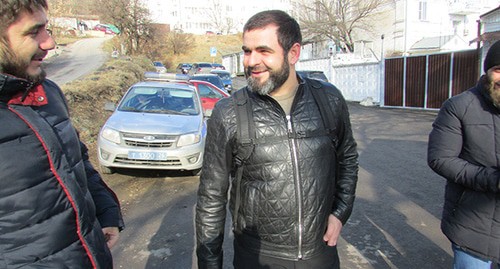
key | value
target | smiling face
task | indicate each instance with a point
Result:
(28, 43)
(267, 65)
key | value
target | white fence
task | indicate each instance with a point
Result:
(357, 81)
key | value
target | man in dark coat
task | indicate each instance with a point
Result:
(55, 210)
(464, 148)
(297, 187)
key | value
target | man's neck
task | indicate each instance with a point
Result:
(288, 88)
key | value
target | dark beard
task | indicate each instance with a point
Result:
(494, 93)
(14, 66)
(276, 79)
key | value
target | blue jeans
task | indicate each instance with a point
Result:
(464, 260)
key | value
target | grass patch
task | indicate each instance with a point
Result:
(86, 97)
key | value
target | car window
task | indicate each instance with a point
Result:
(224, 75)
(207, 92)
(160, 100)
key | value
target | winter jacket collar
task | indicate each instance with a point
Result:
(21, 92)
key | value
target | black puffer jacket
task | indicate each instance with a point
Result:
(52, 202)
(464, 147)
(288, 187)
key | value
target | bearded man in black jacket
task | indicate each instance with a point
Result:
(464, 148)
(292, 195)
(55, 210)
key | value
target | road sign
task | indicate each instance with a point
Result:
(213, 51)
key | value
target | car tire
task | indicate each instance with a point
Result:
(106, 170)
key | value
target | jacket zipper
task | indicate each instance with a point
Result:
(295, 162)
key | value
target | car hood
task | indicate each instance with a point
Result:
(136, 122)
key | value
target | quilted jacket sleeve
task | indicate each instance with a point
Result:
(106, 202)
(213, 190)
(446, 140)
(347, 176)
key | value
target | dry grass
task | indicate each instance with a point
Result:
(86, 97)
(200, 52)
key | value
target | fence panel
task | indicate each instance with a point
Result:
(426, 82)
(415, 81)
(439, 80)
(394, 83)
(465, 71)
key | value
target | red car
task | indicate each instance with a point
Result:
(209, 93)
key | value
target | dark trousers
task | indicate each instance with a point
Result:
(244, 259)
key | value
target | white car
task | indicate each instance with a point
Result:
(156, 125)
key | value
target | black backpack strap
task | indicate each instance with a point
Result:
(321, 99)
(245, 133)
(245, 126)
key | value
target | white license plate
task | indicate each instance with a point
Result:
(156, 156)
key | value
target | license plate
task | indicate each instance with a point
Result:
(155, 156)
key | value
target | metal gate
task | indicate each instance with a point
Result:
(426, 81)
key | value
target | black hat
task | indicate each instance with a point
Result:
(492, 57)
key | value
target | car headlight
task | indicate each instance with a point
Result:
(111, 135)
(188, 139)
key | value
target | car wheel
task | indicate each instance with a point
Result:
(105, 169)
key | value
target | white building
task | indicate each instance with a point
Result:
(400, 27)
(198, 16)
(433, 23)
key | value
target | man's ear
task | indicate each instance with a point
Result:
(294, 54)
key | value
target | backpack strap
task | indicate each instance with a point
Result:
(245, 136)
(321, 99)
(245, 126)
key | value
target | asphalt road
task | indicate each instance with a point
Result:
(76, 60)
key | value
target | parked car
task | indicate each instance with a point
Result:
(212, 78)
(159, 67)
(198, 68)
(315, 74)
(156, 125)
(218, 66)
(225, 76)
(183, 68)
(209, 93)
(107, 28)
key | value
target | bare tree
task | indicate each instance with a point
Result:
(337, 20)
(178, 43)
(69, 8)
(220, 20)
(132, 18)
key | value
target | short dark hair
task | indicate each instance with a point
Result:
(288, 27)
(10, 10)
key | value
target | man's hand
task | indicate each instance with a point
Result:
(111, 234)
(332, 231)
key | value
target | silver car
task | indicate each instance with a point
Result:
(156, 125)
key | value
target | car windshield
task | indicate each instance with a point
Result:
(160, 100)
(212, 79)
(223, 75)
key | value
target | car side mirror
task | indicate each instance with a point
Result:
(109, 106)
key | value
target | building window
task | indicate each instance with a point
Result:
(422, 10)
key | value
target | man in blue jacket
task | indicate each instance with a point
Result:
(464, 148)
(55, 210)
